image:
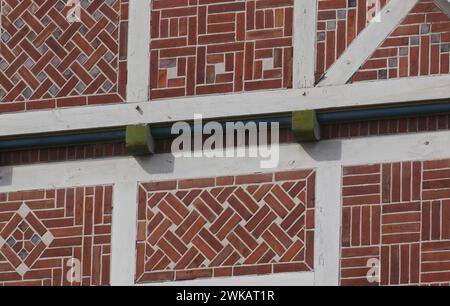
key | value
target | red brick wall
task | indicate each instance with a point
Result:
(47, 62)
(226, 226)
(399, 214)
(63, 153)
(338, 24)
(41, 230)
(419, 46)
(328, 131)
(210, 46)
(386, 127)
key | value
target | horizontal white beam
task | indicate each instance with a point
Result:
(271, 280)
(367, 42)
(329, 153)
(256, 103)
(327, 157)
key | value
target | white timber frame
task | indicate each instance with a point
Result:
(304, 43)
(379, 93)
(138, 75)
(367, 42)
(331, 93)
(444, 5)
(326, 157)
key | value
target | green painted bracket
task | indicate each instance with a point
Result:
(139, 140)
(305, 126)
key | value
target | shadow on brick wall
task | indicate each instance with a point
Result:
(324, 151)
(157, 164)
(6, 176)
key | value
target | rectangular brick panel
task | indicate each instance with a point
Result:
(339, 22)
(211, 47)
(47, 61)
(419, 46)
(49, 236)
(226, 226)
(399, 214)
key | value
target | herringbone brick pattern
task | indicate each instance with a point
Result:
(48, 60)
(210, 46)
(43, 232)
(420, 46)
(338, 24)
(226, 226)
(397, 213)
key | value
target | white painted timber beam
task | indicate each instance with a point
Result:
(328, 226)
(305, 20)
(235, 105)
(327, 153)
(138, 51)
(444, 5)
(123, 255)
(366, 43)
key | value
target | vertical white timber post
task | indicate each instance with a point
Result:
(123, 252)
(328, 226)
(304, 42)
(124, 230)
(138, 50)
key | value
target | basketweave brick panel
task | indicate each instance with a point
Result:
(339, 22)
(211, 47)
(56, 237)
(420, 46)
(399, 215)
(51, 58)
(226, 226)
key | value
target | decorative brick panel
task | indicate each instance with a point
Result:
(43, 231)
(210, 46)
(398, 213)
(420, 46)
(338, 24)
(47, 61)
(226, 226)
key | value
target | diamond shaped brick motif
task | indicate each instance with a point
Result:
(47, 58)
(20, 251)
(43, 232)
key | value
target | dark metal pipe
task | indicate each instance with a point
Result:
(384, 113)
(60, 140)
(165, 131)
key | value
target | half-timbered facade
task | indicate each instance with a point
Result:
(349, 99)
